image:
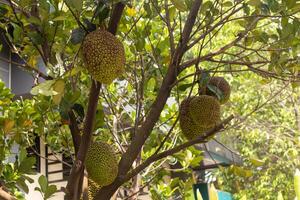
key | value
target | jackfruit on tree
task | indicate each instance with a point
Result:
(189, 128)
(93, 188)
(101, 163)
(205, 111)
(103, 55)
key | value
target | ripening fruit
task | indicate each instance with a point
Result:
(101, 163)
(205, 110)
(222, 85)
(104, 56)
(189, 128)
(93, 188)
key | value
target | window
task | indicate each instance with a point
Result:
(5, 66)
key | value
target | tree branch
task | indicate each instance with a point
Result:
(5, 195)
(221, 50)
(75, 132)
(144, 131)
(116, 16)
(78, 168)
(199, 139)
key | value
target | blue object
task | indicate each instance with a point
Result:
(224, 195)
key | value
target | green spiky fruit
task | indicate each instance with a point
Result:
(101, 163)
(189, 128)
(222, 85)
(205, 111)
(93, 189)
(104, 56)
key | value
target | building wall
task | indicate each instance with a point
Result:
(4, 65)
(22, 81)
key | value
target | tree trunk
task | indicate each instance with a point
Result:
(107, 192)
(134, 193)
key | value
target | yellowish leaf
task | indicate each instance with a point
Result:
(8, 125)
(59, 88)
(257, 162)
(279, 196)
(27, 122)
(32, 61)
(297, 183)
(131, 12)
(180, 5)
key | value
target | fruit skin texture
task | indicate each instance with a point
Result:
(93, 188)
(101, 163)
(222, 85)
(189, 128)
(205, 110)
(104, 56)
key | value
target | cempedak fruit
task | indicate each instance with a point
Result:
(222, 85)
(205, 111)
(93, 188)
(101, 163)
(189, 128)
(104, 56)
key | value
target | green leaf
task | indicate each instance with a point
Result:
(59, 88)
(43, 183)
(34, 20)
(180, 5)
(216, 91)
(30, 180)
(60, 18)
(102, 11)
(151, 84)
(75, 4)
(44, 88)
(3, 10)
(35, 37)
(26, 165)
(21, 183)
(50, 191)
(227, 4)
(172, 12)
(185, 86)
(257, 162)
(255, 3)
(290, 3)
(18, 33)
(22, 154)
(72, 72)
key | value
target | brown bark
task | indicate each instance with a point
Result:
(136, 181)
(5, 195)
(76, 175)
(75, 132)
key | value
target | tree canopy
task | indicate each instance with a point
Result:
(172, 48)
